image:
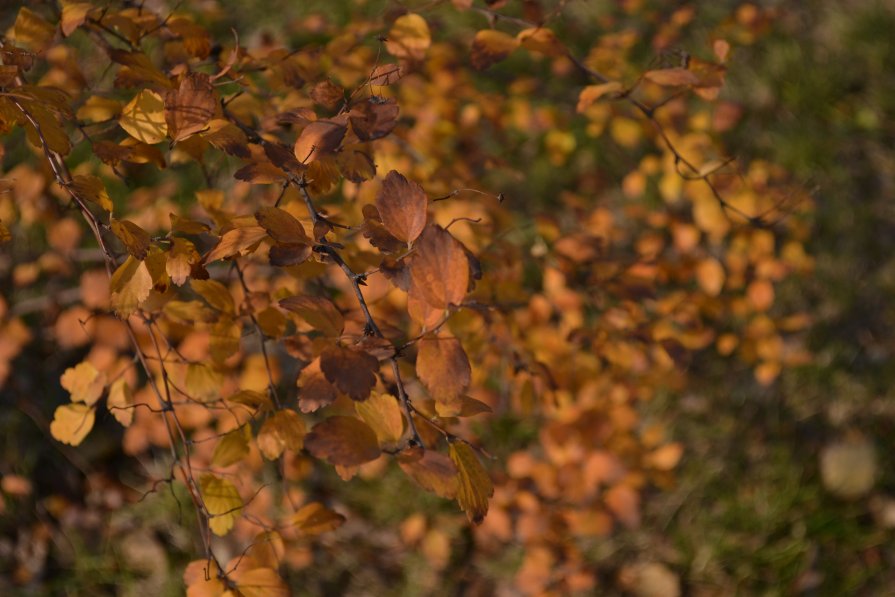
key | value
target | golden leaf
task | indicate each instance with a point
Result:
(382, 413)
(215, 294)
(315, 518)
(284, 430)
(71, 423)
(490, 46)
(475, 485)
(592, 93)
(130, 286)
(135, 239)
(144, 117)
(120, 402)
(233, 447)
(84, 383)
(92, 189)
(222, 501)
(409, 37)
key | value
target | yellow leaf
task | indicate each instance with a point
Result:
(144, 117)
(284, 430)
(382, 413)
(32, 31)
(490, 46)
(409, 37)
(71, 423)
(120, 402)
(232, 447)
(202, 383)
(475, 485)
(541, 39)
(216, 294)
(134, 238)
(92, 189)
(130, 286)
(222, 501)
(84, 383)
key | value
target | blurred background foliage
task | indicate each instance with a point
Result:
(754, 508)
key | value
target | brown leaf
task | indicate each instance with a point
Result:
(135, 239)
(443, 367)
(281, 225)
(374, 118)
(355, 165)
(328, 94)
(315, 518)
(286, 254)
(345, 441)
(439, 269)
(352, 371)
(386, 74)
(434, 472)
(317, 139)
(402, 205)
(189, 108)
(314, 390)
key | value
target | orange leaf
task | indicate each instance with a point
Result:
(443, 367)
(671, 77)
(281, 225)
(439, 268)
(402, 206)
(374, 118)
(189, 108)
(319, 138)
(491, 46)
(345, 441)
(315, 518)
(134, 238)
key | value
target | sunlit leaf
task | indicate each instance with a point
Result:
(222, 501)
(144, 117)
(71, 423)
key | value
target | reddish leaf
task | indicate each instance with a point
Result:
(439, 268)
(344, 441)
(352, 371)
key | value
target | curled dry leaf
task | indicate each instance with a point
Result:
(402, 206)
(344, 441)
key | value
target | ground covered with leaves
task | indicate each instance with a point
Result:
(447, 298)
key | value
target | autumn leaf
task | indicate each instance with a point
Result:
(402, 205)
(258, 582)
(409, 37)
(382, 413)
(442, 365)
(236, 240)
(542, 40)
(319, 312)
(71, 423)
(84, 383)
(439, 268)
(474, 487)
(190, 107)
(386, 74)
(315, 518)
(73, 16)
(491, 46)
(345, 441)
(222, 501)
(120, 402)
(233, 447)
(432, 470)
(671, 77)
(314, 390)
(317, 139)
(134, 238)
(130, 286)
(202, 383)
(92, 189)
(373, 118)
(281, 225)
(284, 430)
(144, 117)
(351, 371)
(32, 31)
(590, 94)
